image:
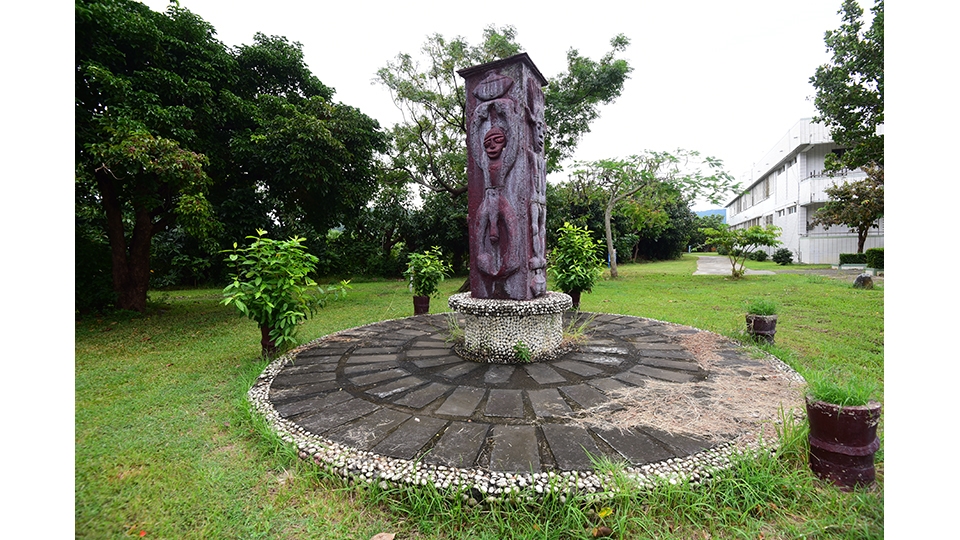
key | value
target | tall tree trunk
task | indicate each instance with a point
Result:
(611, 252)
(862, 238)
(130, 269)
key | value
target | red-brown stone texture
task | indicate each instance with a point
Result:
(506, 179)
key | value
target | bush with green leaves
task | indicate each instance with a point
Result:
(783, 256)
(759, 255)
(272, 287)
(738, 244)
(874, 258)
(574, 263)
(853, 258)
(426, 271)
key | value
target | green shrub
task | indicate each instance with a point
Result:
(762, 306)
(426, 270)
(574, 263)
(759, 255)
(272, 287)
(783, 256)
(853, 258)
(874, 258)
(93, 277)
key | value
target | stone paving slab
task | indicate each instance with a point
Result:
(318, 402)
(571, 446)
(543, 374)
(338, 414)
(514, 449)
(423, 396)
(459, 445)
(407, 441)
(463, 402)
(368, 430)
(397, 389)
(638, 448)
(504, 403)
(548, 403)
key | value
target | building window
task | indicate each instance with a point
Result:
(792, 209)
(768, 219)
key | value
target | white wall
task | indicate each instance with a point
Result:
(800, 153)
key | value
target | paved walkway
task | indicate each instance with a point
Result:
(720, 265)
(396, 390)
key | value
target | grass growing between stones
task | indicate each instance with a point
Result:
(166, 443)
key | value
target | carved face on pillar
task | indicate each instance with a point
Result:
(539, 134)
(493, 143)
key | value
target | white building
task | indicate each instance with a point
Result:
(787, 186)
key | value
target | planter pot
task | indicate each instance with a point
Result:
(421, 305)
(762, 327)
(843, 441)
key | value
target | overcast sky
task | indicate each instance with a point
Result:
(725, 78)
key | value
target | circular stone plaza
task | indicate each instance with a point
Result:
(393, 403)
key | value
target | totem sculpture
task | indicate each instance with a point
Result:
(506, 179)
(509, 317)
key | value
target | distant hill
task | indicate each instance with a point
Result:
(721, 211)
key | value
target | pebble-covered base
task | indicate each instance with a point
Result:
(478, 485)
(495, 330)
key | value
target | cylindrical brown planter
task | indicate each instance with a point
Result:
(762, 327)
(421, 305)
(843, 441)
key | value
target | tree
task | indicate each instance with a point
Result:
(670, 240)
(430, 145)
(710, 221)
(738, 244)
(137, 106)
(857, 204)
(175, 129)
(637, 178)
(849, 89)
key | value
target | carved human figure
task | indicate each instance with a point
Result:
(538, 199)
(499, 253)
(507, 180)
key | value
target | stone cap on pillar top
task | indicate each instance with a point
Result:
(466, 73)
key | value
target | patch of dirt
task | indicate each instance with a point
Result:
(845, 275)
(734, 400)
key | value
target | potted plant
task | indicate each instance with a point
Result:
(762, 319)
(425, 271)
(843, 430)
(575, 265)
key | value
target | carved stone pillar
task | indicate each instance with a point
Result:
(506, 179)
(508, 313)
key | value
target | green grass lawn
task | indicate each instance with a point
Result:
(165, 444)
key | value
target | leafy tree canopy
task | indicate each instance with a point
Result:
(174, 127)
(430, 145)
(849, 89)
(638, 182)
(857, 204)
